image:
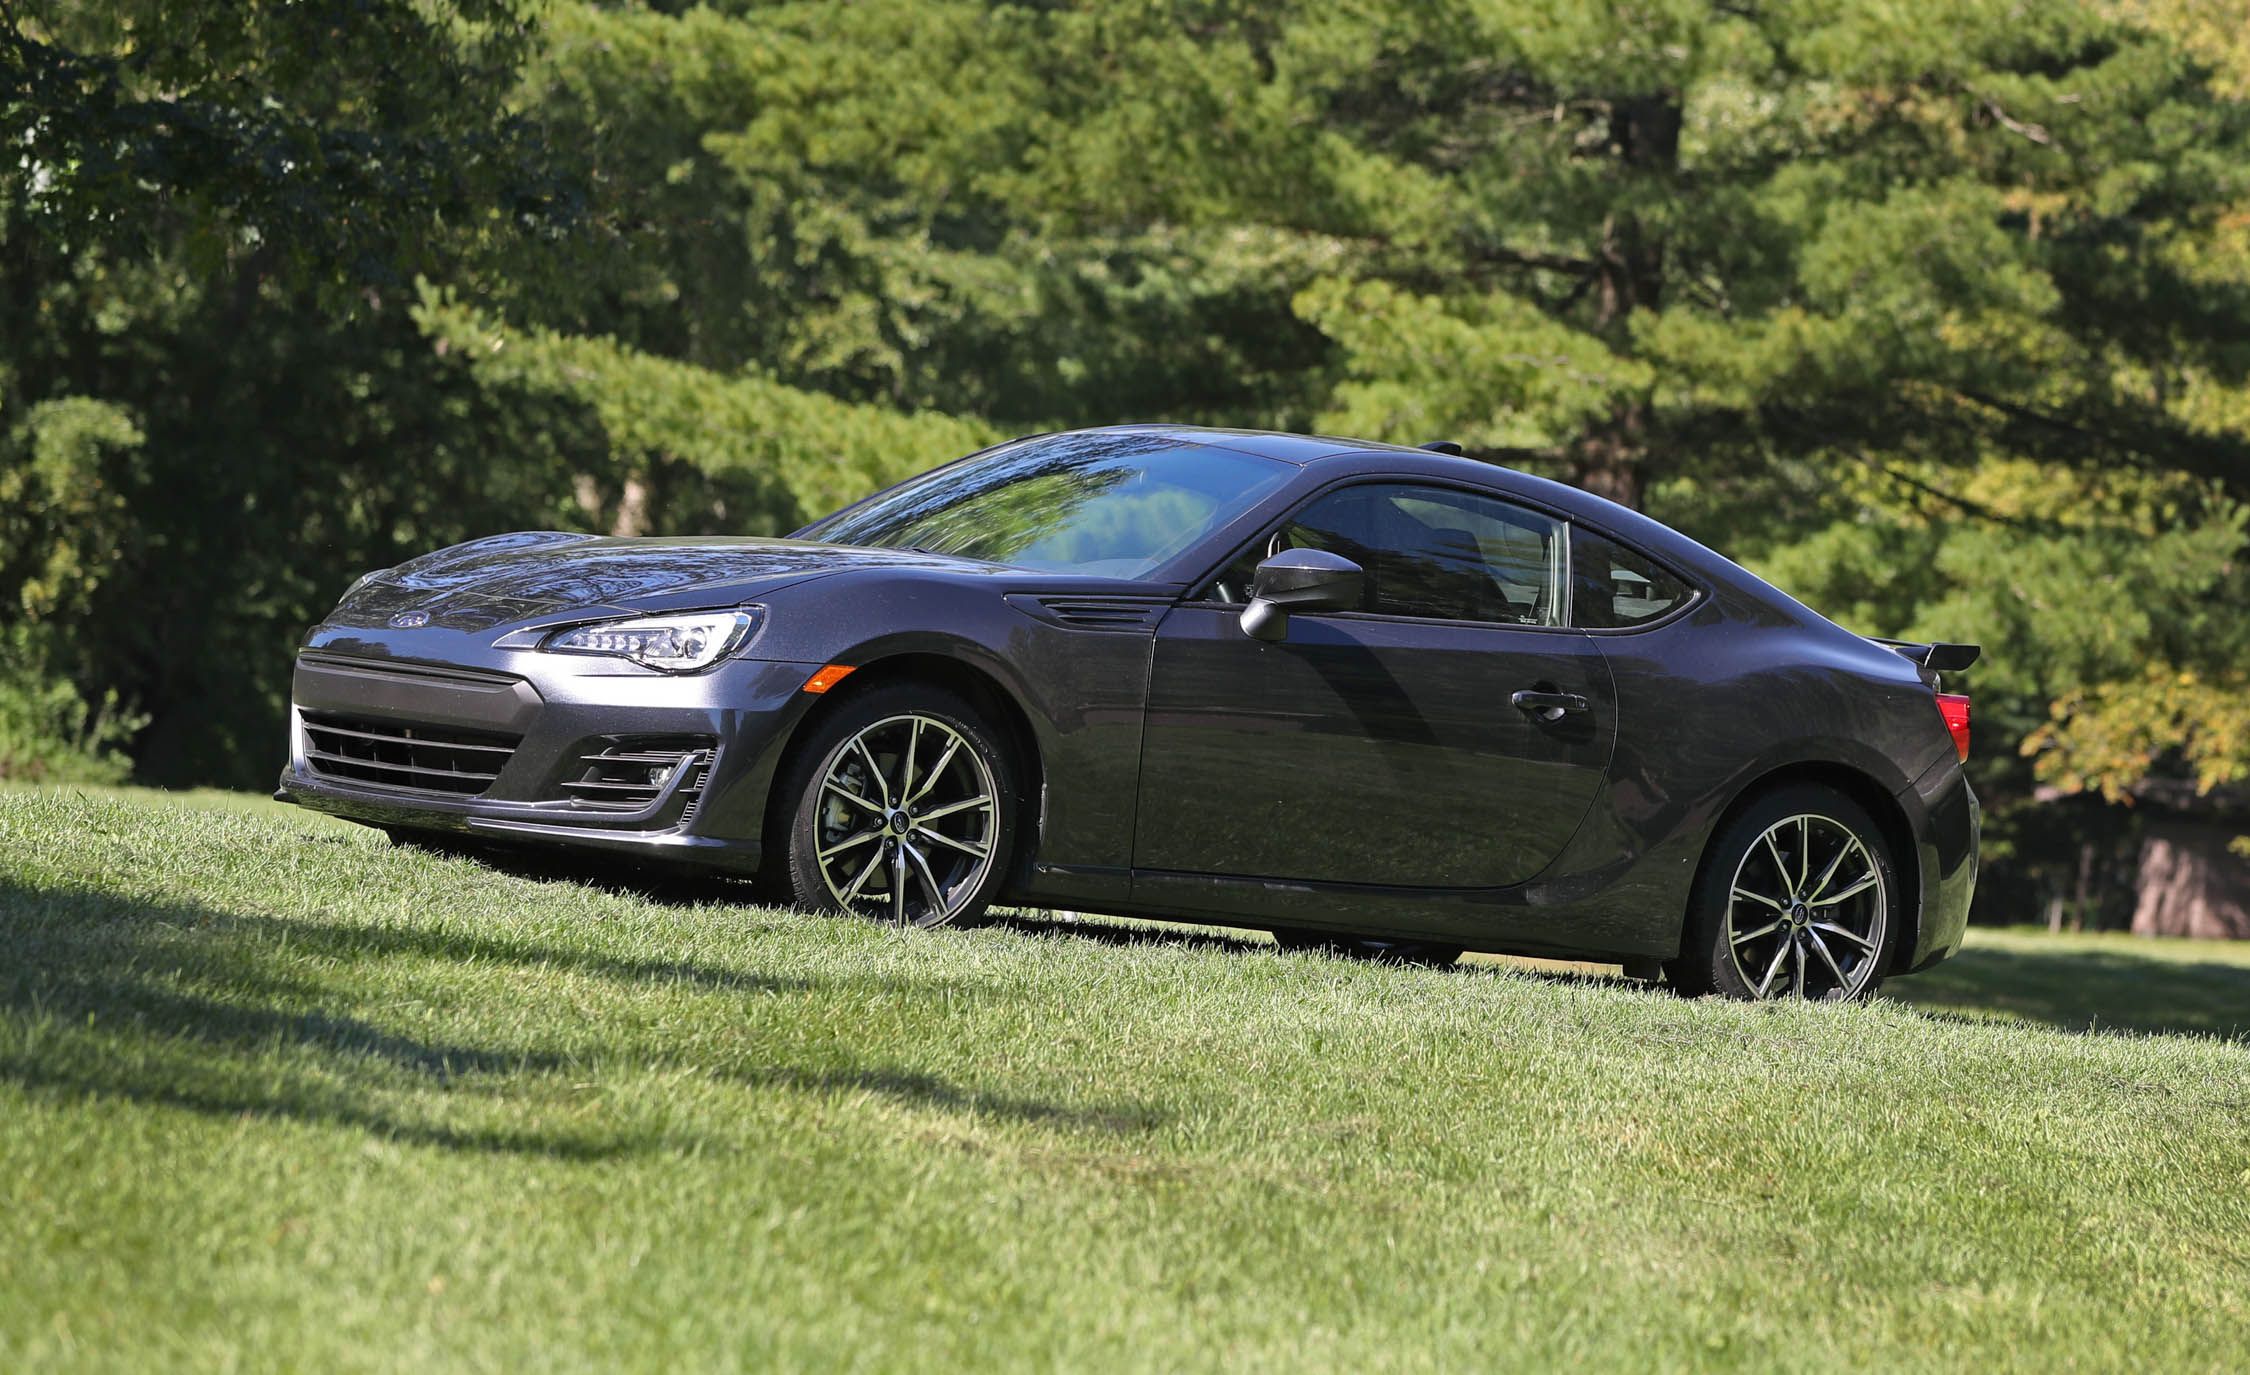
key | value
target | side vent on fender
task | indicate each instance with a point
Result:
(1091, 613)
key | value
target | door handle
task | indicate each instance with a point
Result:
(1548, 705)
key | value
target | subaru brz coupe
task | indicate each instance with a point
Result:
(1374, 699)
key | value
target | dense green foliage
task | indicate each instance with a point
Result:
(215, 408)
(1938, 311)
(276, 1096)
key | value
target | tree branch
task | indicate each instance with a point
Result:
(1533, 258)
(2037, 133)
(1973, 508)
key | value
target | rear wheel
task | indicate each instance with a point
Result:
(902, 807)
(1798, 898)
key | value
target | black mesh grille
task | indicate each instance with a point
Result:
(416, 758)
(628, 774)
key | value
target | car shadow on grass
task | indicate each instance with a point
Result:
(673, 885)
(2071, 990)
(1107, 932)
(2085, 990)
(243, 1015)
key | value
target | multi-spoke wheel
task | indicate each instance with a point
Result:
(1796, 900)
(904, 803)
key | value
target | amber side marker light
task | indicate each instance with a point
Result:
(827, 677)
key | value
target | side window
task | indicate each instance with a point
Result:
(1428, 552)
(1612, 586)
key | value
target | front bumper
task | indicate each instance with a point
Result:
(559, 710)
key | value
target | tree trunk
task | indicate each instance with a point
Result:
(2190, 883)
(634, 505)
(1644, 132)
(2078, 918)
(1607, 461)
(640, 498)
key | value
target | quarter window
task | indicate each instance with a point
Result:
(1613, 586)
(1429, 552)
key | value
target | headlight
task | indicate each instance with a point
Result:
(676, 644)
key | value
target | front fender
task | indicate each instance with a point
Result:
(1081, 692)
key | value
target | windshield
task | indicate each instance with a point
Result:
(1112, 504)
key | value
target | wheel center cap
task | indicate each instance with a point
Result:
(899, 823)
(1800, 916)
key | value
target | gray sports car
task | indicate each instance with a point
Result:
(1384, 700)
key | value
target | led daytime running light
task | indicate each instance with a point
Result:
(675, 644)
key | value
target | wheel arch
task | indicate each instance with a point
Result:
(1862, 788)
(979, 688)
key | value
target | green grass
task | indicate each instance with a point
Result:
(2106, 982)
(274, 1095)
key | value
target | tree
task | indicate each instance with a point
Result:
(1933, 311)
(213, 407)
(1850, 290)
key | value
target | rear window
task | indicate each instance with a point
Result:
(1613, 586)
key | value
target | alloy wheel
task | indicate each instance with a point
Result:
(1807, 911)
(907, 821)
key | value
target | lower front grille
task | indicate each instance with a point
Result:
(630, 773)
(411, 758)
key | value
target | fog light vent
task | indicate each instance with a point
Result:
(627, 775)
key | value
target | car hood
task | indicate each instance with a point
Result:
(509, 578)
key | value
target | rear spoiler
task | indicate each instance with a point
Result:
(1937, 657)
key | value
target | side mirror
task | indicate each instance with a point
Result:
(1299, 580)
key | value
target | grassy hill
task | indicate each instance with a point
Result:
(275, 1095)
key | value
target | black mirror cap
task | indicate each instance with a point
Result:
(1309, 578)
(1300, 580)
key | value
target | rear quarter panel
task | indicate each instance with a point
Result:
(1708, 705)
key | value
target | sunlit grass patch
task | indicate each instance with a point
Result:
(275, 1094)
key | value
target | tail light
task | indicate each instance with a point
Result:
(1954, 707)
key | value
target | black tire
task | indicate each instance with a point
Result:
(811, 817)
(1796, 841)
(1431, 953)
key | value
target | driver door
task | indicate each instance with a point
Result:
(1380, 746)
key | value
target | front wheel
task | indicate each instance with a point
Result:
(1798, 898)
(902, 807)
